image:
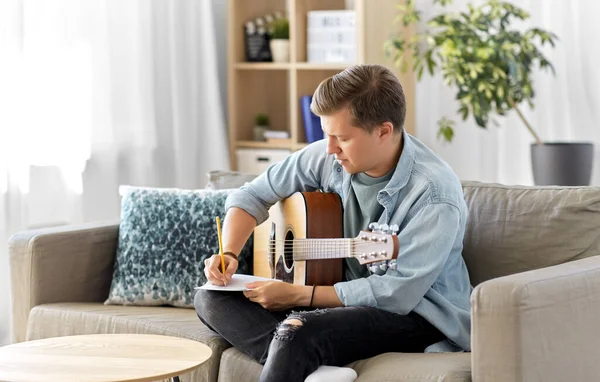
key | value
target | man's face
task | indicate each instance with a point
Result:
(355, 149)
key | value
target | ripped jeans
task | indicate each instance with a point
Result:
(293, 344)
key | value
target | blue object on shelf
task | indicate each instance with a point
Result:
(312, 123)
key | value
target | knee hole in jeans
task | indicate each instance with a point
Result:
(286, 329)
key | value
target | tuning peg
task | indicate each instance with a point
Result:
(392, 265)
(394, 229)
(384, 228)
(376, 268)
(374, 226)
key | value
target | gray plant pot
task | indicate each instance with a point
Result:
(562, 164)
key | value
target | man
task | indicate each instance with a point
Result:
(382, 175)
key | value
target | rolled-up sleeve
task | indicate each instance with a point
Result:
(300, 171)
(425, 244)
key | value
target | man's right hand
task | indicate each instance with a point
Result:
(212, 269)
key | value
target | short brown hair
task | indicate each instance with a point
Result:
(372, 93)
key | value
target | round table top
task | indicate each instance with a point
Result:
(101, 357)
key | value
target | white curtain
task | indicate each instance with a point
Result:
(567, 105)
(98, 93)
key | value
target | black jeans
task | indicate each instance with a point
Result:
(293, 349)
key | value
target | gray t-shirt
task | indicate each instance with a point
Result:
(360, 209)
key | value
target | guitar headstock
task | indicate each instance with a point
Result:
(378, 244)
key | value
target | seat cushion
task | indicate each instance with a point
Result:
(431, 367)
(413, 367)
(66, 319)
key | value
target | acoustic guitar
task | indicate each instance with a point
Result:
(302, 241)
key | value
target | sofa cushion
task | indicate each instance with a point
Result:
(65, 319)
(518, 228)
(431, 367)
(220, 180)
(164, 237)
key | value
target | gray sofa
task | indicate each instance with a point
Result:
(532, 253)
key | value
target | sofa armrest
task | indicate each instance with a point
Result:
(62, 264)
(540, 325)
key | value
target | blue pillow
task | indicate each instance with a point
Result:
(164, 237)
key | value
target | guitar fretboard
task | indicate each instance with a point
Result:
(317, 249)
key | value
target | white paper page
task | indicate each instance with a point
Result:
(237, 283)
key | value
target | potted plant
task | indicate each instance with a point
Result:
(261, 124)
(490, 64)
(280, 39)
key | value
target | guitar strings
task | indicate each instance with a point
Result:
(332, 249)
(324, 241)
(340, 245)
(328, 245)
(341, 250)
(322, 247)
(312, 239)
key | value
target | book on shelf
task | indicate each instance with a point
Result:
(276, 134)
(279, 141)
(312, 123)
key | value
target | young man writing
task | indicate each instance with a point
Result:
(382, 175)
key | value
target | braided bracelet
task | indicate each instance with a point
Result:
(228, 253)
(312, 296)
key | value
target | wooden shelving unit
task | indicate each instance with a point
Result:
(276, 88)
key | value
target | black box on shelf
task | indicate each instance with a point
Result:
(256, 43)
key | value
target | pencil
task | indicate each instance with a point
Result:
(221, 248)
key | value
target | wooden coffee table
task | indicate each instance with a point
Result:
(101, 357)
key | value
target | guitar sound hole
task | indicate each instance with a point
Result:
(284, 269)
(288, 251)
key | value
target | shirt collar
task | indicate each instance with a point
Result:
(404, 168)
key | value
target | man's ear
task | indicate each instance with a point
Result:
(386, 130)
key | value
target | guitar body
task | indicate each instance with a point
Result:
(304, 215)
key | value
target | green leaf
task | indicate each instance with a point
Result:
(500, 92)
(446, 130)
(464, 112)
(447, 133)
(398, 44)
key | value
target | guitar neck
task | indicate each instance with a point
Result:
(318, 249)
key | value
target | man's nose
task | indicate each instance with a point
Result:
(332, 148)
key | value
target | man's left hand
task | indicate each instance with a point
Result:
(275, 295)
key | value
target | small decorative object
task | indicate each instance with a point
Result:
(491, 66)
(256, 41)
(331, 36)
(278, 137)
(261, 124)
(280, 39)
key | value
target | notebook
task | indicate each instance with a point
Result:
(238, 283)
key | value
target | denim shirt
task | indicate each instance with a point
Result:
(424, 198)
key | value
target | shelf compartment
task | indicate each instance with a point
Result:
(259, 91)
(242, 11)
(302, 9)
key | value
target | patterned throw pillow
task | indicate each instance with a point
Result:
(164, 237)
